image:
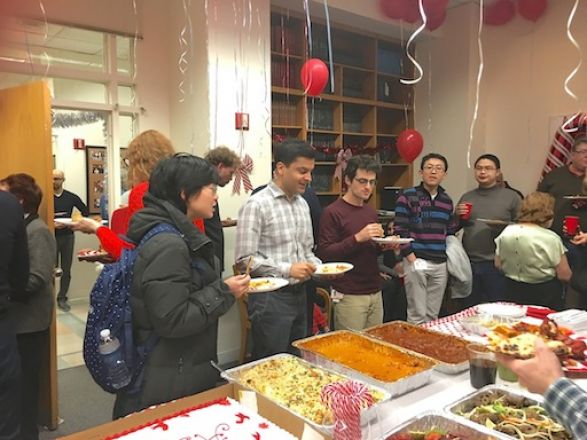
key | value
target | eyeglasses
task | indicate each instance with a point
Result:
(364, 182)
(581, 152)
(489, 168)
(437, 168)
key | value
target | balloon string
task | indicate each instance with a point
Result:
(429, 90)
(568, 90)
(308, 27)
(331, 62)
(134, 43)
(478, 85)
(45, 37)
(410, 41)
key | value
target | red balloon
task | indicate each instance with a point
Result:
(410, 144)
(434, 6)
(532, 9)
(395, 9)
(314, 76)
(435, 20)
(500, 12)
(412, 11)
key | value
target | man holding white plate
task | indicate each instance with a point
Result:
(347, 229)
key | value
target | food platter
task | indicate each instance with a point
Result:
(505, 310)
(392, 240)
(328, 269)
(266, 284)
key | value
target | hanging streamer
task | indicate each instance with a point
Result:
(308, 28)
(183, 62)
(478, 86)
(134, 43)
(566, 127)
(45, 38)
(410, 41)
(429, 90)
(331, 62)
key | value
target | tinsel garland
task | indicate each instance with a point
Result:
(75, 119)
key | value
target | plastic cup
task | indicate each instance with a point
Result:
(483, 366)
(467, 214)
(506, 374)
(571, 225)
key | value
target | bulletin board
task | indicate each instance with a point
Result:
(96, 166)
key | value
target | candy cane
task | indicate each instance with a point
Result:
(346, 400)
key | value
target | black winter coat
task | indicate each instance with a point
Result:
(178, 294)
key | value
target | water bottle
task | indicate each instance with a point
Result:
(116, 369)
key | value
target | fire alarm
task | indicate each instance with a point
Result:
(241, 121)
(79, 144)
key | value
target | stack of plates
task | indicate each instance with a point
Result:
(573, 318)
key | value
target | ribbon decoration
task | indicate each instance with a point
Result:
(560, 150)
(342, 157)
(243, 173)
(346, 400)
(410, 41)
(568, 90)
(478, 85)
(184, 47)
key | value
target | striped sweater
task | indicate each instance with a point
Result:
(428, 221)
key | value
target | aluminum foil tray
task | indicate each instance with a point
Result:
(446, 422)
(368, 417)
(455, 407)
(395, 388)
(442, 367)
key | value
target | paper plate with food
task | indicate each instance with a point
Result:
(505, 310)
(93, 255)
(331, 269)
(392, 239)
(266, 284)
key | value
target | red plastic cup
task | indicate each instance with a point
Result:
(571, 225)
(467, 214)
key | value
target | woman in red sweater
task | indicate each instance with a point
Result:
(144, 152)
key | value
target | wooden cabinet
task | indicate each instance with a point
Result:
(366, 110)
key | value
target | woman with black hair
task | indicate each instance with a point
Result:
(177, 292)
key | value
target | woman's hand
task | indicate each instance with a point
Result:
(580, 239)
(238, 285)
(87, 225)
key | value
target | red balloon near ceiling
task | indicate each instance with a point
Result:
(532, 9)
(434, 6)
(314, 76)
(412, 11)
(410, 144)
(435, 20)
(499, 13)
(395, 9)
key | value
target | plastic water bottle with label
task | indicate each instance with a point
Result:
(116, 368)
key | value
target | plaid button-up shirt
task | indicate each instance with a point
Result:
(276, 232)
(567, 402)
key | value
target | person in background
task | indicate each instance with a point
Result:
(425, 213)
(14, 273)
(226, 162)
(144, 152)
(63, 203)
(177, 292)
(568, 181)
(33, 316)
(347, 227)
(393, 292)
(563, 398)
(274, 235)
(490, 201)
(532, 257)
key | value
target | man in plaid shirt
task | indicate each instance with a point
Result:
(274, 232)
(563, 399)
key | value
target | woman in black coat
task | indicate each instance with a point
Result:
(177, 291)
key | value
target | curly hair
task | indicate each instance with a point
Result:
(144, 152)
(537, 208)
(223, 155)
(24, 187)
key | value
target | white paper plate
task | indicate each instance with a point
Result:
(69, 222)
(508, 310)
(577, 197)
(333, 268)
(267, 284)
(391, 240)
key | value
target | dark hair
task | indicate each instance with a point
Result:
(492, 157)
(361, 162)
(290, 149)
(25, 188)
(182, 172)
(578, 141)
(434, 156)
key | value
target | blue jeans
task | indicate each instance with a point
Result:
(277, 319)
(489, 284)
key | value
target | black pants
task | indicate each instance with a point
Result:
(64, 259)
(395, 303)
(547, 294)
(277, 319)
(10, 394)
(32, 347)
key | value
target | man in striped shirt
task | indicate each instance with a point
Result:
(275, 230)
(425, 214)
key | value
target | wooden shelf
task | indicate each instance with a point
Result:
(287, 91)
(287, 127)
(322, 131)
(352, 133)
(286, 55)
(322, 162)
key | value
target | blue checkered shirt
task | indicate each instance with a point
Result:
(567, 402)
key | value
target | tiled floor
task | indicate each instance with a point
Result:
(70, 335)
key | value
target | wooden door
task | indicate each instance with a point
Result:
(25, 147)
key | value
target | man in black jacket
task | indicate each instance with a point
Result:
(14, 273)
